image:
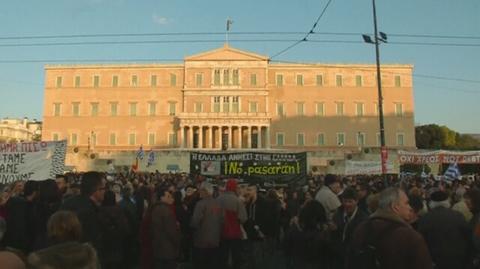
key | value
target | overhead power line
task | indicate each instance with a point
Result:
(305, 38)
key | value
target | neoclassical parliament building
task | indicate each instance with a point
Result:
(227, 99)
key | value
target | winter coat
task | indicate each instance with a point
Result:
(234, 214)
(207, 223)
(447, 236)
(165, 233)
(401, 248)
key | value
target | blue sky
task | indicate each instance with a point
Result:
(447, 102)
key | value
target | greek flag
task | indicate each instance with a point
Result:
(140, 153)
(151, 158)
(452, 172)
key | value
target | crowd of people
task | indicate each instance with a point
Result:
(154, 220)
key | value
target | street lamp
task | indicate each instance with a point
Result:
(376, 40)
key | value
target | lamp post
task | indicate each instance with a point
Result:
(376, 41)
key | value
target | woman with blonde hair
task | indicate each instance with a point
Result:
(63, 226)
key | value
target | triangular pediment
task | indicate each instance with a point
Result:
(226, 53)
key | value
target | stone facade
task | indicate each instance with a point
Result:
(227, 99)
(18, 130)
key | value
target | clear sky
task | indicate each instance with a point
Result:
(452, 101)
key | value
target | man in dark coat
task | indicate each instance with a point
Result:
(397, 244)
(165, 232)
(86, 206)
(446, 232)
(346, 220)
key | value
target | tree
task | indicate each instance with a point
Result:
(433, 136)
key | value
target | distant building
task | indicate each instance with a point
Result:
(18, 130)
(227, 99)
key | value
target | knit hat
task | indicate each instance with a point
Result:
(439, 196)
(231, 185)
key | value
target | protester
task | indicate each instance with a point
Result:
(232, 232)
(446, 233)
(327, 195)
(396, 243)
(165, 232)
(63, 226)
(71, 255)
(207, 222)
(9, 260)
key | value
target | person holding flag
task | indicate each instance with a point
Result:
(151, 158)
(453, 172)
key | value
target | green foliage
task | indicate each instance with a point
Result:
(433, 136)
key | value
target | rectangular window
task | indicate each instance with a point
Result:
(132, 139)
(172, 139)
(113, 109)
(235, 104)
(198, 80)
(93, 139)
(58, 83)
(253, 107)
(398, 109)
(77, 82)
(359, 109)
(226, 77)
(198, 107)
(280, 109)
(113, 139)
(339, 80)
(133, 109)
(134, 82)
(300, 139)
(173, 80)
(358, 81)
(151, 139)
(172, 108)
(340, 139)
(55, 137)
(253, 79)
(398, 81)
(321, 139)
(226, 104)
(153, 81)
(236, 80)
(115, 81)
(74, 139)
(96, 81)
(340, 111)
(360, 139)
(216, 104)
(216, 77)
(280, 139)
(152, 108)
(319, 80)
(400, 139)
(76, 109)
(300, 109)
(57, 109)
(279, 80)
(94, 109)
(320, 109)
(299, 80)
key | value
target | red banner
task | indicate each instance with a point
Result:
(439, 156)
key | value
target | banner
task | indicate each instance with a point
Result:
(32, 160)
(439, 156)
(253, 167)
(367, 168)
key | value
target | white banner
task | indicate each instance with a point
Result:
(32, 160)
(366, 168)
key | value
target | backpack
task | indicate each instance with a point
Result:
(367, 256)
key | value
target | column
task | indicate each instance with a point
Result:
(230, 138)
(191, 136)
(220, 133)
(240, 137)
(210, 137)
(249, 137)
(182, 136)
(259, 137)
(267, 139)
(200, 137)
